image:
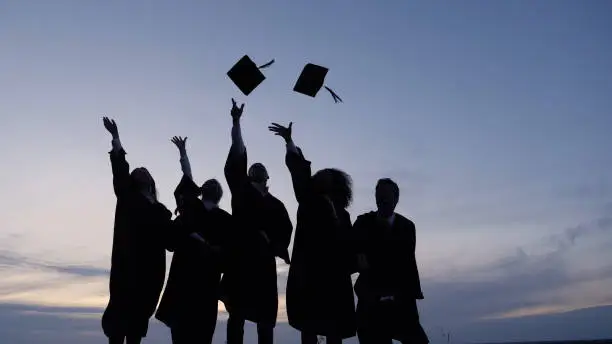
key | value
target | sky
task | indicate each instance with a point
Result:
(492, 116)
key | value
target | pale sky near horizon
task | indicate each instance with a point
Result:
(492, 116)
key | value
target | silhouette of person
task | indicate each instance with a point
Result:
(189, 304)
(388, 284)
(249, 285)
(138, 266)
(320, 297)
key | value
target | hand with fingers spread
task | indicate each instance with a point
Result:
(284, 132)
(180, 143)
(111, 126)
(236, 111)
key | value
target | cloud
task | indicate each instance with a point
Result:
(38, 282)
(527, 282)
(568, 237)
(584, 324)
(14, 259)
(27, 324)
(32, 281)
(538, 279)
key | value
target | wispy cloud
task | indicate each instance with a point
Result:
(15, 259)
(528, 282)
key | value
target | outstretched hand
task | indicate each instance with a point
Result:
(111, 126)
(180, 143)
(236, 111)
(284, 132)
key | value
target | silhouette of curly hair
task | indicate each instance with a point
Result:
(335, 183)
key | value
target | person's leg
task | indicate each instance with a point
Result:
(333, 340)
(133, 340)
(116, 340)
(178, 336)
(265, 334)
(371, 328)
(386, 340)
(371, 337)
(309, 338)
(207, 331)
(366, 332)
(235, 330)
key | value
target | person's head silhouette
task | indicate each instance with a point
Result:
(144, 182)
(258, 174)
(387, 196)
(335, 184)
(211, 191)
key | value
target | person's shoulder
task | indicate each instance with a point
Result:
(370, 215)
(275, 201)
(366, 217)
(403, 220)
(221, 212)
(345, 215)
(405, 224)
(163, 209)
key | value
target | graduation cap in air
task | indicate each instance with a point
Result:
(311, 80)
(247, 75)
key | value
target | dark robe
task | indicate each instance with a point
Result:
(138, 263)
(249, 286)
(189, 302)
(319, 287)
(393, 271)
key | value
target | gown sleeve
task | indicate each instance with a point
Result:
(236, 172)
(300, 171)
(284, 229)
(415, 279)
(121, 172)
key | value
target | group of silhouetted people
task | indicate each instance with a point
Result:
(232, 258)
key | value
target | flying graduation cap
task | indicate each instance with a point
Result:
(311, 80)
(246, 75)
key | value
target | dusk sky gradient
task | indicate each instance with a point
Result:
(494, 117)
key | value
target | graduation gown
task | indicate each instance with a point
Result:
(192, 291)
(393, 271)
(138, 262)
(319, 287)
(249, 285)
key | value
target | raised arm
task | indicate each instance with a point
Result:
(181, 144)
(236, 163)
(298, 166)
(119, 165)
(237, 142)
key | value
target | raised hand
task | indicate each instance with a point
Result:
(284, 132)
(111, 126)
(180, 143)
(236, 111)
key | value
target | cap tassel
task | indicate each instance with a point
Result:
(334, 95)
(266, 65)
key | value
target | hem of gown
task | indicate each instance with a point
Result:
(300, 328)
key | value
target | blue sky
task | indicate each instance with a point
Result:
(493, 116)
